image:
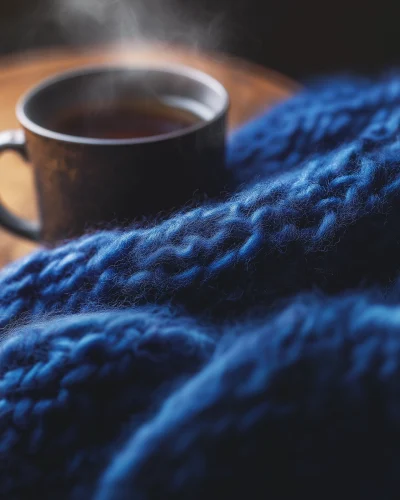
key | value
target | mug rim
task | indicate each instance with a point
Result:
(172, 68)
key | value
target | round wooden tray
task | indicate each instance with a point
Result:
(252, 89)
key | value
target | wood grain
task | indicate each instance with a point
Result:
(252, 89)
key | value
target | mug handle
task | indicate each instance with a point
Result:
(14, 140)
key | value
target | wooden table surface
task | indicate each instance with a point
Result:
(252, 89)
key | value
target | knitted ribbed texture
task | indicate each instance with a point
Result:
(304, 406)
(70, 386)
(160, 362)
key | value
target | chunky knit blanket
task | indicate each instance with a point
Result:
(247, 348)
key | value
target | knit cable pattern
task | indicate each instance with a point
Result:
(221, 353)
(280, 236)
(69, 387)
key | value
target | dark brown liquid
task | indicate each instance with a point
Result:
(124, 122)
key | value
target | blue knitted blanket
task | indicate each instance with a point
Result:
(249, 348)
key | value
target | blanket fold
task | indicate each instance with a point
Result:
(248, 347)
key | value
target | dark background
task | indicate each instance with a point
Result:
(299, 38)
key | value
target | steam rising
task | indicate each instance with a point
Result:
(141, 21)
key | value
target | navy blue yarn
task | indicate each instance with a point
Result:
(155, 362)
(70, 386)
(283, 234)
(306, 405)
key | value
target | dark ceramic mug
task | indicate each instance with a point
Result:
(83, 183)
